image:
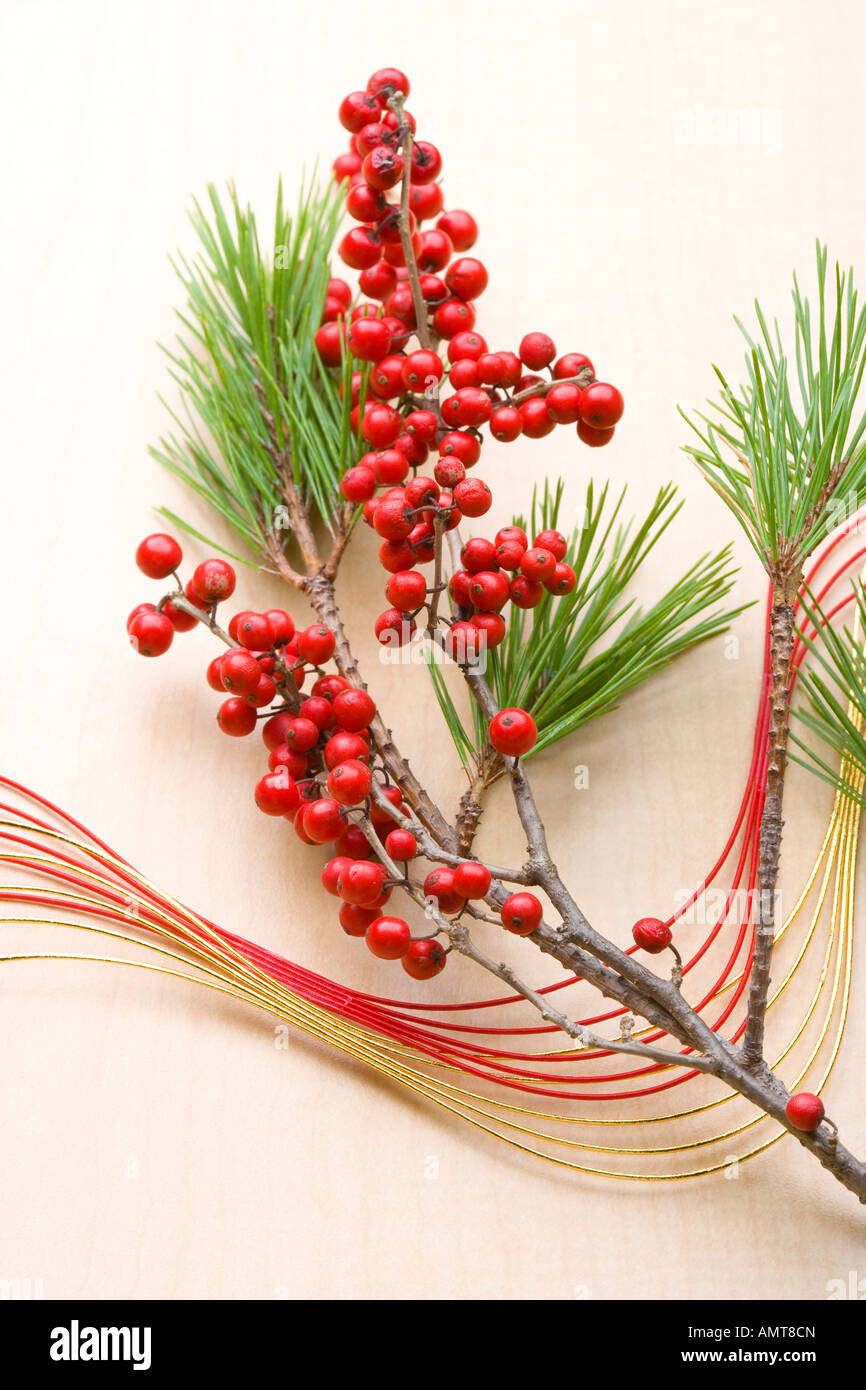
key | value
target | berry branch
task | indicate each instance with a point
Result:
(334, 770)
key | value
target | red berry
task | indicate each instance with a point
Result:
(571, 364)
(342, 746)
(329, 343)
(282, 625)
(316, 644)
(424, 959)
(463, 446)
(535, 418)
(461, 227)
(390, 467)
(369, 339)
(423, 425)
(367, 138)
(406, 591)
(355, 920)
(139, 608)
(319, 711)
(277, 794)
(521, 913)
(563, 403)
(294, 763)
(478, 554)
(490, 369)
(180, 620)
(536, 350)
(214, 581)
(392, 628)
(448, 472)
(151, 634)
(464, 372)
(436, 251)
(472, 880)
(360, 249)
(349, 782)
(362, 203)
(473, 406)
(324, 820)
(388, 937)
(466, 278)
(491, 626)
(353, 709)
(356, 110)
(651, 934)
(805, 1111)
(459, 588)
(158, 555)
(381, 425)
(509, 555)
(513, 732)
(383, 167)
(338, 289)
(506, 424)
(525, 593)
(329, 686)
(554, 541)
(264, 692)
(358, 484)
(362, 883)
(385, 82)
(439, 884)
(596, 439)
(507, 534)
(538, 564)
(473, 497)
(354, 843)
(425, 200)
(397, 556)
(392, 519)
(379, 280)
(563, 581)
(213, 675)
(421, 369)
(426, 163)
(330, 875)
(452, 317)
(464, 642)
(601, 405)
(235, 717)
(240, 671)
(465, 344)
(254, 632)
(400, 305)
(400, 845)
(489, 590)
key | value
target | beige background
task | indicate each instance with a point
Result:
(155, 1142)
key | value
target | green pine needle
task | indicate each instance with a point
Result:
(254, 397)
(786, 450)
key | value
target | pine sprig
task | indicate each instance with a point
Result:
(256, 405)
(782, 448)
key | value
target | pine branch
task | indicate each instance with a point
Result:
(779, 450)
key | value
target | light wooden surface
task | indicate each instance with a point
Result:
(157, 1143)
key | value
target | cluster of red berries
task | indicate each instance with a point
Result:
(405, 414)
(321, 756)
